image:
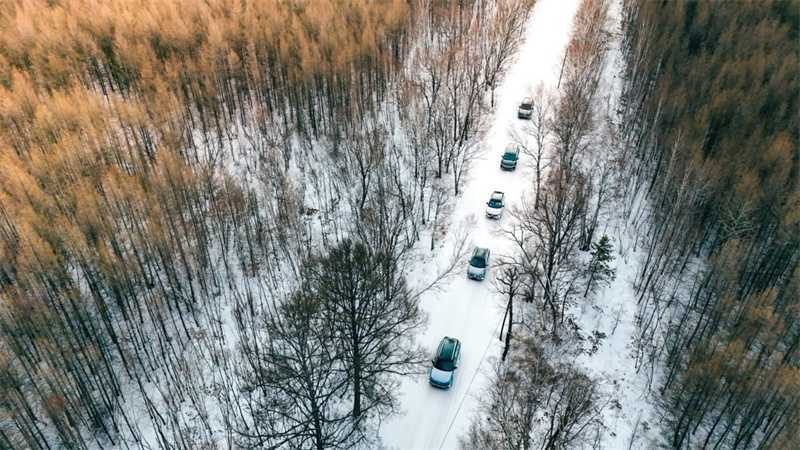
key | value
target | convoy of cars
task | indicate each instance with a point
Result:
(448, 353)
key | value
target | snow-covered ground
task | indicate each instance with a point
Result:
(629, 417)
(469, 310)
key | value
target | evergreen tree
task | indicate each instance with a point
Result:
(599, 271)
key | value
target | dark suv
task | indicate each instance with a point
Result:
(510, 158)
(445, 363)
(478, 264)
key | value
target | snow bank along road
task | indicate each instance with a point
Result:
(470, 310)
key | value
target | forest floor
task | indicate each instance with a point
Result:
(629, 417)
(473, 311)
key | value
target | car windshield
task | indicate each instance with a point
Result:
(445, 355)
(495, 203)
(510, 155)
(526, 106)
(478, 261)
(445, 364)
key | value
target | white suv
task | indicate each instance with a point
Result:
(496, 205)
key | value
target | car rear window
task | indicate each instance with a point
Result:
(478, 261)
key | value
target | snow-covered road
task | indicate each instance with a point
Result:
(469, 310)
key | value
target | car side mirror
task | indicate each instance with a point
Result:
(487, 203)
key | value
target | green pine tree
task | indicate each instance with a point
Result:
(600, 270)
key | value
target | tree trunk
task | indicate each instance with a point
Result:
(510, 310)
(356, 385)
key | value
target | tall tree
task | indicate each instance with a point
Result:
(366, 302)
(295, 385)
(509, 284)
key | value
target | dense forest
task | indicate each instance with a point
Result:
(173, 177)
(710, 138)
(210, 215)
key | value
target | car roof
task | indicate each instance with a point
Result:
(512, 148)
(527, 100)
(447, 348)
(498, 195)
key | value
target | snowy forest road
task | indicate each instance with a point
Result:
(468, 310)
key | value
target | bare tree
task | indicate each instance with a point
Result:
(547, 238)
(373, 320)
(572, 407)
(509, 284)
(509, 409)
(448, 90)
(533, 403)
(600, 191)
(501, 38)
(536, 136)
(439, 199)
(364, 151)
(462, 117)
(295, 385)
